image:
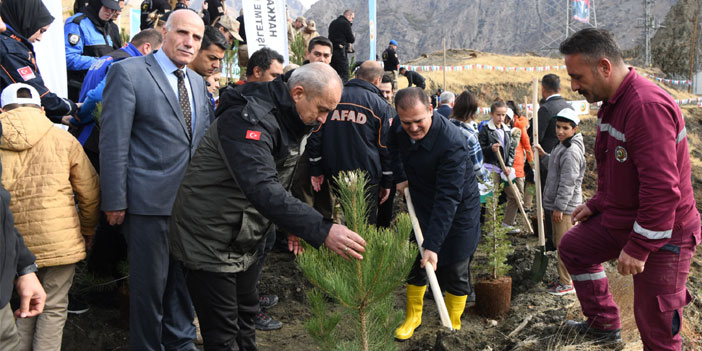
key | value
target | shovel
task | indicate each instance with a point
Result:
(538, 268)
(431, 275)
(516, 193)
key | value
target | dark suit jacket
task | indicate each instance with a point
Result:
(144, 144)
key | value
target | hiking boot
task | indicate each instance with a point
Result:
(268, 301)
(599, 334)
(561, 289)
(76, 306)
(266, 322)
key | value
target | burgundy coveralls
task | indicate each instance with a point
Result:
(644, 205)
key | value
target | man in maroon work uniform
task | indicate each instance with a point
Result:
(644, 210)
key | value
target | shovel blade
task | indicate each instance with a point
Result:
(538, 268)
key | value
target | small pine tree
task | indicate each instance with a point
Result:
(362, 288)
(495, 243)
(297, 50)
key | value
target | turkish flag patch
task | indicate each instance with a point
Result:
(253, 135)
(26, 73)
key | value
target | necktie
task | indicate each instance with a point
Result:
(184, 99)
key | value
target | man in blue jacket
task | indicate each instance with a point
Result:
(431, 157)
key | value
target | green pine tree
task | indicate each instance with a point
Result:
(361, 288)
(495, 243)
(297, 50)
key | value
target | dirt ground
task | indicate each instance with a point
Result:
(102, 328)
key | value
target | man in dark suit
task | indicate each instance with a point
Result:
(155, 111)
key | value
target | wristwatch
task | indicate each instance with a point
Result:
(32, 268)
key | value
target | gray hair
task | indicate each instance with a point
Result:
(315, 77)
(447, 97)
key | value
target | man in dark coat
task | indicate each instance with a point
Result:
(413, 78)
(434, 160)
(391, 62)
(341, 36)
(231, 193)
(359, 125)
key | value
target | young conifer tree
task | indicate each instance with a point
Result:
(362, 288)
(495, 243)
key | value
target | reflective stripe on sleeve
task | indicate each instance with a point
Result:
(387, 173)
(588, 276)
(606, 127)
(316, 159)
(652, 234)
(681, 135)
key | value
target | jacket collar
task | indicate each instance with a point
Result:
(623, 87)
(492, 125)
(363, 84)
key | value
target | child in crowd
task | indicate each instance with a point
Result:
(463, 116)
(44, 167)
(562, 190)
(496, 137)
(522, 152)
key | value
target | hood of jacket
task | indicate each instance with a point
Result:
(22, 128)
(576, 141)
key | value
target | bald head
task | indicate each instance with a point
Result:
(183, 36)
(316, 89)
(370, 71)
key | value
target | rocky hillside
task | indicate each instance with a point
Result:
(670, 47)
(485, 25)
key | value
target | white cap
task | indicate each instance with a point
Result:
(510, 113)
(9, 95)
(569, 114)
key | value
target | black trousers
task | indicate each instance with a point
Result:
(453, 278)
(226, 305)
(340, 63)
(385, 210)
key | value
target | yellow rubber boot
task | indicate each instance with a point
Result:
(455, 306)
(413, 317)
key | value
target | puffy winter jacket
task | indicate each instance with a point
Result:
(566, 169)
(523, 148)
(44, 166)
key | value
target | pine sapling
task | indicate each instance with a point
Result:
(495, 243)
(362, 288)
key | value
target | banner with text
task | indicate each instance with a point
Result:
(266, 26)
(371, 27)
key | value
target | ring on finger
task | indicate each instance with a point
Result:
(346, 249)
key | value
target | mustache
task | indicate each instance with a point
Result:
(184, 49)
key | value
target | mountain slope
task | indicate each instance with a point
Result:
(495, 26)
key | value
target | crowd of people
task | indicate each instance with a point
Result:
(194, 183)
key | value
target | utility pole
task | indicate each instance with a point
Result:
(647, 32)
(693, 51)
